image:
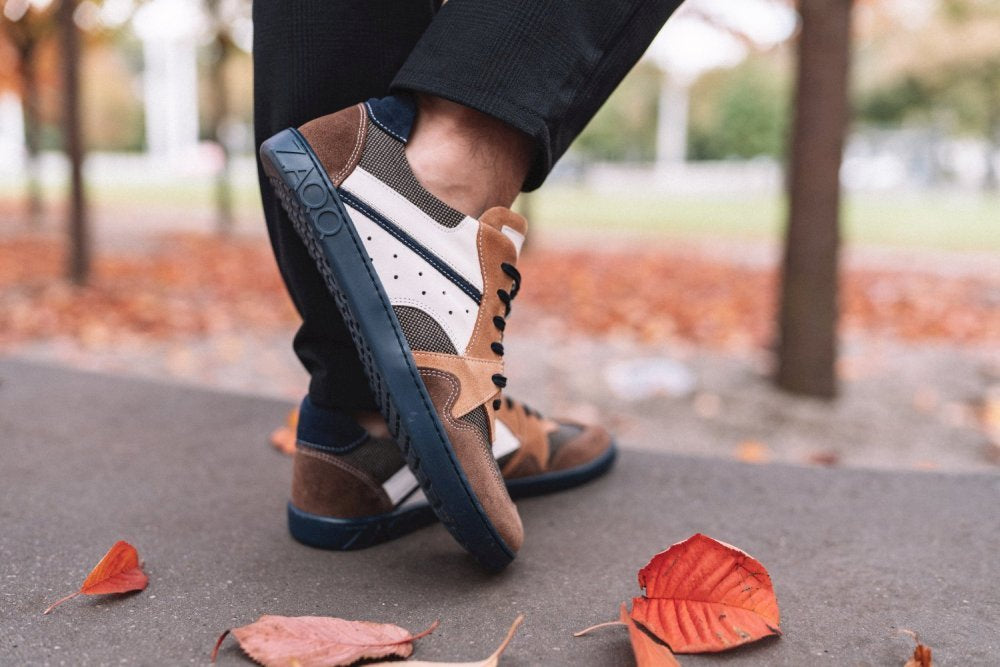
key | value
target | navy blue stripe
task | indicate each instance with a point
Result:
(412, 244)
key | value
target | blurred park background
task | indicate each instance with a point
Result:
(779, 240)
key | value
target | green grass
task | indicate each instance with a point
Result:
(966, 221)
(933, 220)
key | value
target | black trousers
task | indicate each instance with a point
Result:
(542, 66)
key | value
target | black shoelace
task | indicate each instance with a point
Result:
(501, 322)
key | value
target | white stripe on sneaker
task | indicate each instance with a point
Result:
(452, 245)
(409, 280)
(403, 483)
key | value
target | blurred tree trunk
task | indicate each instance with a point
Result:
(32, 135)
(79, 242)
(807, 348)
(221, 50)
(991, 180)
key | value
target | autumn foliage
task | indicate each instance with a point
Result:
(194, 284)
(702, 595)
(119, 571)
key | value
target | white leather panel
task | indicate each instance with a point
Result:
(410, 281)
(505, 441)
(457, 246)
(515, 236)
(403, 483)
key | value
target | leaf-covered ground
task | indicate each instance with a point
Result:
(194, 284)
(920, 355)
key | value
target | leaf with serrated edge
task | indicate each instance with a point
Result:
(321, 641)
(119, 571)
(702, 595)
(491, 661)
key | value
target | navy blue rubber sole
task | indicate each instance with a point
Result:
(319, 217)
(348, 534)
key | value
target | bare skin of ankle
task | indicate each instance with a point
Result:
(465, 158)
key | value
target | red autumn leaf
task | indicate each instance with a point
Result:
(648, 652)
(921, 654)
(118, 572)
(704, 596)
(320, 641)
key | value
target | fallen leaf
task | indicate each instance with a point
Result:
(921, 654)
(648, 651)
(702, 595)
(751, 451)
(824, 458)
(118, 572)
(491, 661)
(320, 641)
(283, 437)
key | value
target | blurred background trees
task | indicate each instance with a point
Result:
(697, 136)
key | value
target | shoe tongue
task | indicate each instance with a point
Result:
(508, 223)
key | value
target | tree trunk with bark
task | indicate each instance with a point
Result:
(807, 347)
(78, 268)
(32, 136)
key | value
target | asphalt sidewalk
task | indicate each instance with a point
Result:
(185, 475)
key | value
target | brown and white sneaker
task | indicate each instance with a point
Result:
(361, 493)
(425, 291)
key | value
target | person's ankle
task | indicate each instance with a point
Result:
(467, 159)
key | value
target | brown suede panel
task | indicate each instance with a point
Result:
(337, 140)
(474, 375)
(494, 249)
(476, 458)
(532, 457)
(586, 447)
(323, 484)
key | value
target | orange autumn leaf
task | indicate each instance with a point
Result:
(283, 437)
(648, 652)
(118, 572)
(320, 641)
(921, 654)
(702, 595)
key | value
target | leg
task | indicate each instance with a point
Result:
(543, 67)
(311, 58)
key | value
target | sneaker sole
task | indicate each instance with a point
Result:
(319, 217)
(348, 534)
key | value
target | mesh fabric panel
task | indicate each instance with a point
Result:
(422, 331)
(385, 157)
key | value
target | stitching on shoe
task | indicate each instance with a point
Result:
(456, 386)
(361, 475)
(456, 389)
(356, 152)
(371, 114)
(400, 235)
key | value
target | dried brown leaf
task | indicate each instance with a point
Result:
(320, 641)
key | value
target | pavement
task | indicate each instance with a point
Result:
(185, 475)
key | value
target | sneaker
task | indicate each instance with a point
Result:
(362, 493)
(425, 291)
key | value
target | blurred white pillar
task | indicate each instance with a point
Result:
(672, 121)
(169, 29)
(12, 153)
